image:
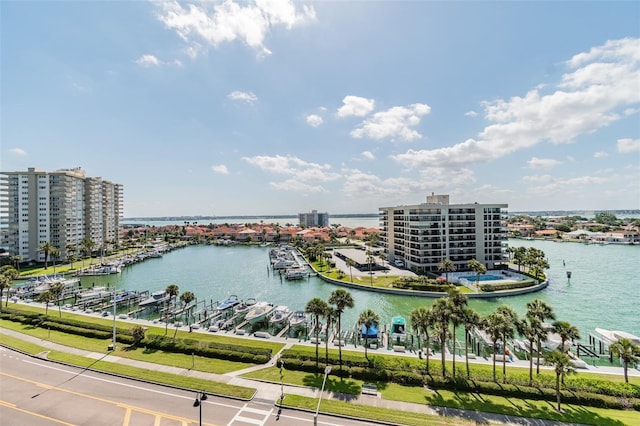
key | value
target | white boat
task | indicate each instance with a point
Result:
(156, 298)
(258, 312)
(296, 273)
(612, 336)
(607, 336)
(95, 293)
(624, 335)
(279, 316)
(241, 309)
(398, 333)
(298, 319)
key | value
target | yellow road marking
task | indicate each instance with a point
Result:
(127, 417)
(13, 407)
(159, 415)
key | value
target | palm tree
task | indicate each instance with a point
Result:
(5, 283)
(441, 311)
(46, 298)
(562, 365)
(541, 311)
(510, 321)
(316, 307)
(446, 266)
(56, 290)
(422, 319)
(350, 263)
(329, 315)
(46, 248)
(172, 290)
(628, 352)
(493, 326)
(54, 253)
(478, 268)
(370, 262)
(15, 261)
(10, 273)
(530, 328)
(186, 298)
(87, 248)
(368, 318)
(458, 302)
(566, 331)
(342, 299)
(470, 319)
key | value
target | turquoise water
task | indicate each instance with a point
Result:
(483, 278)
(603, 291)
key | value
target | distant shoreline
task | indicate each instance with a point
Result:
(626, 213)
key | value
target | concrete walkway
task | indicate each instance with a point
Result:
(272, 392)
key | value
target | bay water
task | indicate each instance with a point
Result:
(604, 289)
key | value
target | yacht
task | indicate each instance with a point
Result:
(156, 298)
(258, 312)
(296, 273)
(241, 309)
(279, 316)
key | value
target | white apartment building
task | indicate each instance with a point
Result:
(62, 208)
(314, 218)
(423, 235)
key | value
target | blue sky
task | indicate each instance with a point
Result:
(276, 107)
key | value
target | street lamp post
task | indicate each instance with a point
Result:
(327, 370)
(200, 396)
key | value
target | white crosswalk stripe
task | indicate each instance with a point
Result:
(240, 418)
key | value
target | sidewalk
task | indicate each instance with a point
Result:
(271, 392)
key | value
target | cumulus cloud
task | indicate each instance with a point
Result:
(396, 122)
(303, 176)
(542, 163)
(471, 114)
(18, 151)
(356, 106)
(250, 22)
(628, 145)
(600, 154)
(149, 61)
(536, 179)
(571, 185)
(247, 97)
(314, 120)
(599, 89)
(220, 168)
(368, 155)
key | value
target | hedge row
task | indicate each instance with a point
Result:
(506, 286)
(412, 378)
(391, 365)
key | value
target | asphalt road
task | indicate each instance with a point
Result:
(36, 392)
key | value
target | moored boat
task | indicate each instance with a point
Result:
(398, 333)
(258, 312)
(156, 298)
(298, 320)
(296, 273)
(228, 303)
(279, 316)
(241, 309)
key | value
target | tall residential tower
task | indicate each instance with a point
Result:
(62, 208)
(423, 235)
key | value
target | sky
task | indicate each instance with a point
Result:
(278, 107)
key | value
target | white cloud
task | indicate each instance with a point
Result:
(368, 155)
(537, 179)
(628, 145)
(600, 154)
(302, 173)
(356, 106)
(543, 163)
(18, 151)
(314, 120)
(395, 122)
(218, 23)
(471, 114)
(220, 168)
(247, 97)
(600, 88)
(567, 186)
(148, 61)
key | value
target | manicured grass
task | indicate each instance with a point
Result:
(373, 413)
(133, 372)
(199, 363)
(461, 400)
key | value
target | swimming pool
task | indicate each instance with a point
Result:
(475, 278)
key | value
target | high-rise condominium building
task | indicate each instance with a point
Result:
(63, 208)
(423, 235)
(313, 219)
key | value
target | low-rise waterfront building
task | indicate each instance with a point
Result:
(423, 235)
(62, 208)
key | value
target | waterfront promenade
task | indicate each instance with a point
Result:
(271, 392)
